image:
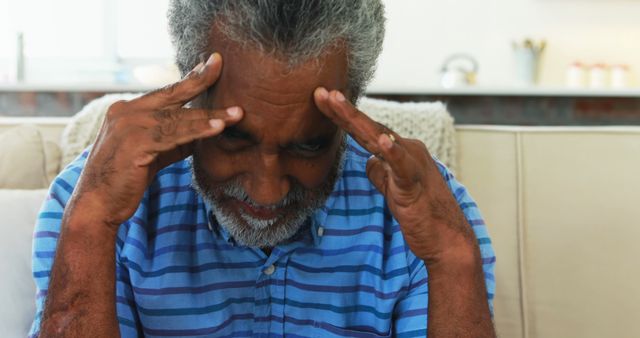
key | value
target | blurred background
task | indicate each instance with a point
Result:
(72, 42)
(545, 95)
(433, 49)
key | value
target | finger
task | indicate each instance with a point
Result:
(369, 134)
(360, 126)
(375, 137)
(377, 171)
(173, 132)
(186, 132)
(172, 143)
(321, 98)
(182, 145)
(402, 164)
(187, 114)
(195, 82)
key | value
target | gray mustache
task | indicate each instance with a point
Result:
(235, 190)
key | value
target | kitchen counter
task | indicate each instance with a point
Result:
(469, 105)
(546, 91)
(534, 91)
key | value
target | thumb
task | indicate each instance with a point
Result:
(378, 172)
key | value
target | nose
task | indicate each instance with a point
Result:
(267, 182)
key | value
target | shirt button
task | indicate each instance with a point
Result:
(269, 270)
(320, 231)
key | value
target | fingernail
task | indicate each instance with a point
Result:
(216, 124)
(323, 93)
(385, 141)
(340, 97)
(212, 59)
(198, 67)
(233, 111)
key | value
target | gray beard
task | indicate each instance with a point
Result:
(294, 210)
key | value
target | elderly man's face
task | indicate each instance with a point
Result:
(268, 173)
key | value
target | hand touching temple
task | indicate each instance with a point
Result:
(253, 198)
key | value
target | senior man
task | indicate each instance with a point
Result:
(244, 199)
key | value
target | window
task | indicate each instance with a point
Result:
(142, 29)
(83, 40)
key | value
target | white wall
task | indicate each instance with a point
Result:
(422, 33)
(82, 40)
(75, 40)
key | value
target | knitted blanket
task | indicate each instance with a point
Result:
(428, 122)
(83, 128)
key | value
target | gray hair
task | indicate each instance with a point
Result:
(293, 30)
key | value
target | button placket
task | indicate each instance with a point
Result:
(271, 279)
(278, 291)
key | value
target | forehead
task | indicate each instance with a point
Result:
(273, 93)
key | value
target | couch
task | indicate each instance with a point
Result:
(560, 204)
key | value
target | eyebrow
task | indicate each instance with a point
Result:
(322, 137)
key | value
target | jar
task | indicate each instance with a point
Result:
(599, 76)
(576, 75)
(619, 76)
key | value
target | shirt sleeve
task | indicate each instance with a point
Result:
(128, 318)
(45, 239)
(410, 313)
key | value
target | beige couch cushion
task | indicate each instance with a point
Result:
(27, 161)
(581, 236)
(19, 209)
(560, 205)
(488, 168)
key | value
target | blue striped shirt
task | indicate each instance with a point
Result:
(178, 273)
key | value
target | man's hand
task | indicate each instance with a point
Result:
(430, 218)
(404, 172)
(137, 138)
(142, 136)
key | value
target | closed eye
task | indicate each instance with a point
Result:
(232, 139)
(309, 149)
(232, 133)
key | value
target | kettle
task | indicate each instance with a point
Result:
(459, 70)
